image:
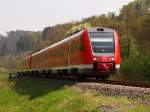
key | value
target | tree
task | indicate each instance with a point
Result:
(4, 50)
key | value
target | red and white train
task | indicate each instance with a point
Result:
(93, 52)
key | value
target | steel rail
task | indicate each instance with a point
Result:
(124, 83)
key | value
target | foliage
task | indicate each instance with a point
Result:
(136, 68)
(28, 42)
(49, 95)
(78, 28)
(56, 33)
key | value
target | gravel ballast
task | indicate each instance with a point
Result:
(140, 94)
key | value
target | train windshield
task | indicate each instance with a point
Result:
(102, 42)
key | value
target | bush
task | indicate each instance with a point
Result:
(136, 68)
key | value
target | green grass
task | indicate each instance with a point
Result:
(49, 95)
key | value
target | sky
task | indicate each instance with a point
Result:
(34, 15)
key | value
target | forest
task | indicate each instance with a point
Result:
(132, 24)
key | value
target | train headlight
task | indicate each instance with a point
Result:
(94, 59)
(113, 59)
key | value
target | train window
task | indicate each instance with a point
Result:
(100, 34)
(102, 42)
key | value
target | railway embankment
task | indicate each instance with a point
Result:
(30, 94)
(138, 93)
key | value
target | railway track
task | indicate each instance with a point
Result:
(123, 83)
(127, 83)
(113, 82)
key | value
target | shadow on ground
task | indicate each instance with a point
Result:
(36, 87)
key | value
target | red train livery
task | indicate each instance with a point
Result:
(90, 52)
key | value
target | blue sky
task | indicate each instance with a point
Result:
(34, 15)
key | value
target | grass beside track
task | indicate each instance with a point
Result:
(51, 95)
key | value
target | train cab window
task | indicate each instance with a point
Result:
(102, 42)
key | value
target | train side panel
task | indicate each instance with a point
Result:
(88, 57)
(76, 56)
(58, 56)
(117, 51)
(70, 54)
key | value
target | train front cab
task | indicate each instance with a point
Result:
(105, 50)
